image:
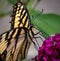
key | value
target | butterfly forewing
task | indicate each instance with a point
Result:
(20, 16)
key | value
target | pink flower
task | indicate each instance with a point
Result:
(50, 49)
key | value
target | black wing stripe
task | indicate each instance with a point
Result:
(17, 37)
(11, 36)
(22, 51)
(22, 18)
(25, 48)
(6, 36)
(25, 21)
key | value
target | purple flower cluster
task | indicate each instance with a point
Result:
(50, 49)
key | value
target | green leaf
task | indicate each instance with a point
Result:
(12, 1)
(49, 23)
(28, 0)
(29, 4)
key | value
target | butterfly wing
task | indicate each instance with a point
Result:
(24, 48)
(15, 50)
(14, 43)
(20, 16)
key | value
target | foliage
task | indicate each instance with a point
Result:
(48, 22)
(12, 1)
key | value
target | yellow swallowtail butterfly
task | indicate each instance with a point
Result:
(15, 43)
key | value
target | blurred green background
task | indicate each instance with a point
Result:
(47, 23)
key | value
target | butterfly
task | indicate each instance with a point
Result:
(15, 43)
